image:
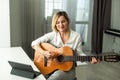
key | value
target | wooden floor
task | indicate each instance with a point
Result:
(99, 71)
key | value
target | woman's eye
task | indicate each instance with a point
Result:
(57, 22)
(60, 22)
(63, 21)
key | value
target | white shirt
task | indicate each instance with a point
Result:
(74, 42)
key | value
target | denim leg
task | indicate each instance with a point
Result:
(61, 75)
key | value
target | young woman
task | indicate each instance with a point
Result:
(62, 35)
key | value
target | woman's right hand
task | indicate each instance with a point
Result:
(48, 54)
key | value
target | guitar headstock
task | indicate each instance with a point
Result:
(112, 58)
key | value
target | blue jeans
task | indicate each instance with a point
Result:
(61, 75)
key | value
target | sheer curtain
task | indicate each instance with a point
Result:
(82, 18)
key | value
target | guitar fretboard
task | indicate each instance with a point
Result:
(80, 58)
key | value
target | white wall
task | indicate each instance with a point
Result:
(110, 42)
(4, 24)
(115, 23)
(115, 17)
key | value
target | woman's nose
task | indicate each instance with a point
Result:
(61, 23)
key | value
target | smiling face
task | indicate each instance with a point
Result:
(62, 24)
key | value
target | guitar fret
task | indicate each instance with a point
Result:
(82, 58)
(88, 58)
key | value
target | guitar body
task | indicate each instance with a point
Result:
(53, 64)
(64, 63)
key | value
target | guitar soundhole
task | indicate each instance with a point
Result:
(60, 58)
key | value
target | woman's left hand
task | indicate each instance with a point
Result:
(94, 60)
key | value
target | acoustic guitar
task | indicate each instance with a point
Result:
(65, 60)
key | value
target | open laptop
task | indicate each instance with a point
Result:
(23, 70)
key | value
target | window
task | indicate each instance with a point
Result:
(82, 19)
(52, 6)
(82, 29)
(82, 10)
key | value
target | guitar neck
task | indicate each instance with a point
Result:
(81, 58)
(107, 58)
(86, 58)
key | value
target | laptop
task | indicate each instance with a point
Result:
(23, 70)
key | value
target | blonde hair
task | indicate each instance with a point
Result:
(55, 18)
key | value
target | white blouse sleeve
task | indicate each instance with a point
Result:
(45, 38)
